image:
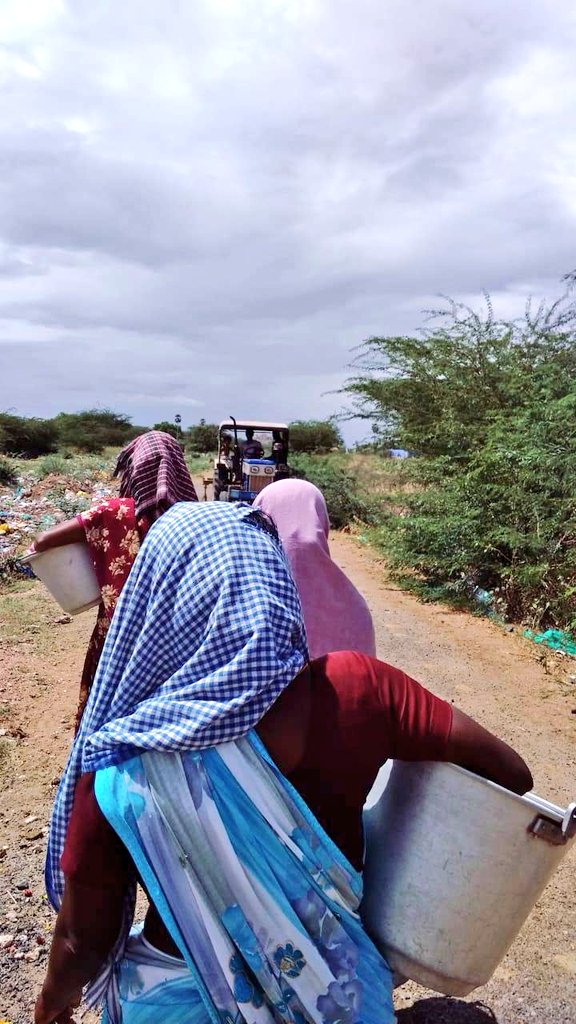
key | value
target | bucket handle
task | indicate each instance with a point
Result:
(557, 833)
(569, 821)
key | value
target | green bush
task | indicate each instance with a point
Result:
(30, 437)
(168, 428)
(7, 473)
(203, 437)
(57, 464)
(314, 436)
(491, 407)
(94, 429)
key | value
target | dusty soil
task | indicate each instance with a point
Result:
(493, 675)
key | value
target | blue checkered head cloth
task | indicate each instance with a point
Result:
(206, 634)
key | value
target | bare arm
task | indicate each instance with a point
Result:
(70, 532)
(87, 927)
(473, 747)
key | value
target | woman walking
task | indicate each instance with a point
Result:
(188, 773)
(153, 477)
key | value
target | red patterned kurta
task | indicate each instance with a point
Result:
(113, 535)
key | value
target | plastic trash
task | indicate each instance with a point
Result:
(555, 639)
(24, 570)
(35, 505)
(483, 597)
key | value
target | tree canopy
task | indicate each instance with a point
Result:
(203, 437)
(440, 392)
(314, 436)
(489, 406)
(20, 435)
(168, 428)
(94, 429)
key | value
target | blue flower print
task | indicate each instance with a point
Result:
(342, 959)
(310, 908)
(291, 1006)
(244, 990)
(340, 953)
(328, 935)
(289, 960)
(341, 1004)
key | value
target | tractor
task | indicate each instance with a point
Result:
(251, 454)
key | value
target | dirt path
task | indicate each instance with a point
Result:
(492, 675)
(40, 663)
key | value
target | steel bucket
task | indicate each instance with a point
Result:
(454, 865)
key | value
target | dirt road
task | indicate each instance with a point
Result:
(493, 675)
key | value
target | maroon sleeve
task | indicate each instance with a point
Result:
(384, 712)
(419, 722)
(93, 854)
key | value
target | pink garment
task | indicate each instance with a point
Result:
(336, 615)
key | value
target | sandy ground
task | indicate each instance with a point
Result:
(493, 675)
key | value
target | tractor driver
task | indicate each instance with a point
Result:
(252, 449)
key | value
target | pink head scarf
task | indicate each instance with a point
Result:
(336, 615)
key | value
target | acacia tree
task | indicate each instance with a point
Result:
(93, 429)
(21, 435)
(168, 428)
(203, 437)
(438, 393)
(489, 405)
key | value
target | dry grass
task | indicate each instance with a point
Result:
(22, 607)
(379, 476)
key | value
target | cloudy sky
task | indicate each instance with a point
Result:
(205, 204)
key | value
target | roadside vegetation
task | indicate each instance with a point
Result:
(488, 408)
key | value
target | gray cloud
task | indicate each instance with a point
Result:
(209, 204)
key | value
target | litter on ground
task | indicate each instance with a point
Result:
(35, 505)
(555, 639)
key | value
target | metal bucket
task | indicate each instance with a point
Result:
(68, 573)
(454, 865)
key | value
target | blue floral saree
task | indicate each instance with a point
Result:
(260, 902)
